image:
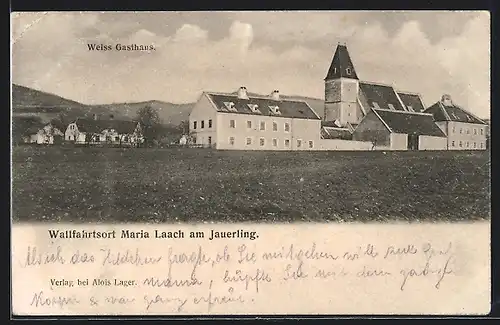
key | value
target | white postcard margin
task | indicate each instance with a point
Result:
(293, 269)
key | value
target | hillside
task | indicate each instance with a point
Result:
(28, 101)
(169, 113)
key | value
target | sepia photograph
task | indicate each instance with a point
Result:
(340, 116)
(250, 163)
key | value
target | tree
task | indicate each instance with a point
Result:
(150, 122)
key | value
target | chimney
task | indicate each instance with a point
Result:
(446, 100)
(94, 116)
(275, 95)
(242, 93)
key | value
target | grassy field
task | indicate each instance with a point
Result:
(196, 185)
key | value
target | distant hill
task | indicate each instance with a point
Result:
(30, 102)
(169, 113)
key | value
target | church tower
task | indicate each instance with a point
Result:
(341, 89)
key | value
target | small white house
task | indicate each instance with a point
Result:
(42, 134)
(183, 140)
(92, 131)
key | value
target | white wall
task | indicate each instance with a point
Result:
(399, 141)
(426, 142)
(304, 130)
(345, 145)
(468, 135)
(204, 111)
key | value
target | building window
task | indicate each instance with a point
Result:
(475, 145)
(453, 130)
(299, 143)
(194, 140)
(249, 124)
(249, 141)
(452, 143)
(481, 131)
(125, 138)
(275, 126)
(262, 126)
(461, 131)
(209, 141)
(117, 139)
(262, 142)
(275, 142)
(468, 131)
(231, 141)
(475, 131)
(209, 124)
(287, 143)
(195, 124)
(311, 144)
(287, 127)
(232, 124)
(348, 71)
(481, 145)
(202, 124)
(467, 144)
(460, 144)
(391, 107)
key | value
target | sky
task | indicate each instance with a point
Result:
(431, 53)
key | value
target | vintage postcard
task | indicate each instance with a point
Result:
(250, 163)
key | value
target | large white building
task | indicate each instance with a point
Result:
(357, 115)
(238, 121)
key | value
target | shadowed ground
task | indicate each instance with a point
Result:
(196, 185)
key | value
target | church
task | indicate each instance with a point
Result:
(357, 115)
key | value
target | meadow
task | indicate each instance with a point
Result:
(83, 185)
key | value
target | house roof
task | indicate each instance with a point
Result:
(409, 122)
(340, 64)
(97, 126)
(335, 133)
(287, 108)
(379, 96)
(412, 100)
(453, 113)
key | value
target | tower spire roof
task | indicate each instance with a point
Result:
(341, 66)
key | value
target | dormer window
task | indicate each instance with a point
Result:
(391, 107)
(375, 105)
(230, 106)
(348, 71)
(410, 108)
(254, 108)
(275, 109)
(335, 70)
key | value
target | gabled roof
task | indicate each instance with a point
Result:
(412, 101)
(286, 108)
(409, 122)
(97, 126)
(453, 113)
(335, 133)
(341, 66)
(379, 96)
